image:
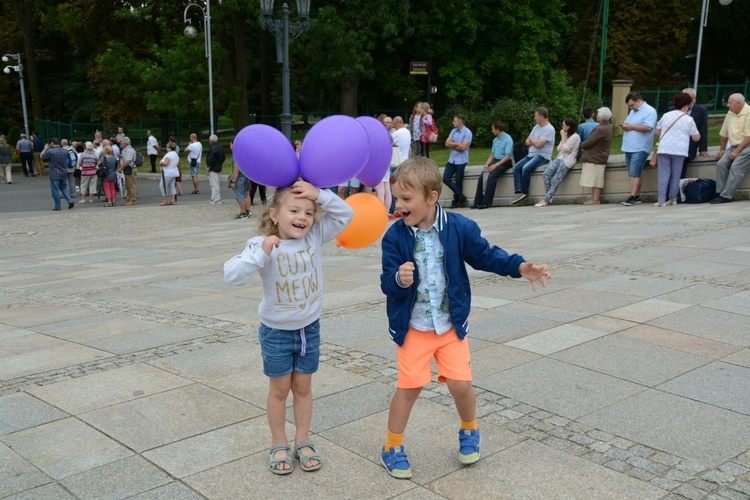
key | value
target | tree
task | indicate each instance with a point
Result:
(345, 38)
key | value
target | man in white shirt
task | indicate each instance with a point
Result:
(152, 149)
(401, 137)
(194, 151)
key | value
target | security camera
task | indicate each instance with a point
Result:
(190, 31)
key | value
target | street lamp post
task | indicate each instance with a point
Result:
(191, 32)
(284, 34)
(704, 22)
(18, 68)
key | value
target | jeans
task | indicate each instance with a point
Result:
(522, 172)
(452, 169)
(636, 162)
(57, 186)
(285, 351)
(669, 169)
(553, 176)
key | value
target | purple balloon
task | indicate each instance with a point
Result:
(335, 150)
(381, 150)
(265, 156)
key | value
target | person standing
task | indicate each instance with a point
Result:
(58, 172)
(415, 122)
(734, 153)
(675, 129)
(428, 302)
(589, 124)
(38, 147)
(498, 162)
(540, 141)
(128, 169)
(88, 161)
(169, 170)
(194, 151)
(288, 258)
(458, 142)
(214, 161)
(109, 182)
(595, 155)
(26, 150)
(700, 117)
(238, 182)
(426, 124)
(5, 160)
(152, 149)
(637, 140)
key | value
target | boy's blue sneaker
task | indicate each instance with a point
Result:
(468, 446)
(395, 462)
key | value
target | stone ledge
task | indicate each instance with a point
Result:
(616, 183)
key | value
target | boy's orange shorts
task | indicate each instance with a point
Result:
(414, 358)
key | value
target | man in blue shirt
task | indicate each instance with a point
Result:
(458, 142)
(498, 162)
(589, 124)
(637, 141)
(58, 171)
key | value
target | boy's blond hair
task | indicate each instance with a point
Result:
(419, 173)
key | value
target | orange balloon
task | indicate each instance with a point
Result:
(368, 224)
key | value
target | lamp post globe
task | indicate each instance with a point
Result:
(5, 59)
(190, 31)
(6, 70)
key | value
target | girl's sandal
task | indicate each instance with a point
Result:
(277, 462)
(305, 459)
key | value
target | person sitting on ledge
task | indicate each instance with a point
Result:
(734, 154)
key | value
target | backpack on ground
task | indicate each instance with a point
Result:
(72, 159)
(700, 191)
(138, 158)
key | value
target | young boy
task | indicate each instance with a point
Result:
(429, 298)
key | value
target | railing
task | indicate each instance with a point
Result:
(713, 96)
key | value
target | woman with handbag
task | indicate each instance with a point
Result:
(415, 122)
(169, 172)
(679, 128)
(426, 125)
(87, 161)
(110, 178)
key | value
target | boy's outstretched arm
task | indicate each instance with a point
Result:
(534, 273)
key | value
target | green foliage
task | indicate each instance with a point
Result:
(14, 133)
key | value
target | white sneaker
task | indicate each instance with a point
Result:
(215, 202)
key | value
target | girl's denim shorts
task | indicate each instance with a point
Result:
(283, 353)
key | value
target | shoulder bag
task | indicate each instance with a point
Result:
(654, 161)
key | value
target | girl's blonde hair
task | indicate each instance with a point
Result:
(266, 227)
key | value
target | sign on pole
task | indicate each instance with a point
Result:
(418, 68)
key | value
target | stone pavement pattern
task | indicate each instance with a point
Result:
(128, 369)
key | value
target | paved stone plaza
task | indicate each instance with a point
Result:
(128, 369)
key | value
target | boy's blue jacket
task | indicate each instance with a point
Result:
(463, 243)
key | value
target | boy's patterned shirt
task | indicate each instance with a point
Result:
(430, 311)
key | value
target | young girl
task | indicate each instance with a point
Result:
(287, 256)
